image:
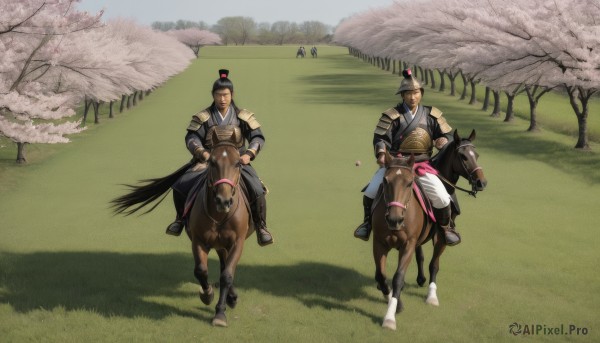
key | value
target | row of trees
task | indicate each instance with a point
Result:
(54, 58)
(244, 30)
(509, 46)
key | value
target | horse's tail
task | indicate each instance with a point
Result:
(147, 192)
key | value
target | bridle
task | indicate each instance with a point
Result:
(470, 174)
(395, 203)
(233, 184)
(213, 185)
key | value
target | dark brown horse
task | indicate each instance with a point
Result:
(399, 222)
(219, 218)
(458, 158)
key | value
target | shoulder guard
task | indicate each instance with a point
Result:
(387, 117)
(198, 119)
(437, 114)
(248, 118)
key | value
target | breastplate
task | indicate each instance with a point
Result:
(417, 142)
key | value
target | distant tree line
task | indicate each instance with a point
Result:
(244, 30)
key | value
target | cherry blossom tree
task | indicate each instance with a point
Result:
(55, 57)
(508, 45)
(32, 104)
(540, 45)
(195, 38)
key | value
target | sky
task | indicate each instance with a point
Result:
(146, 12)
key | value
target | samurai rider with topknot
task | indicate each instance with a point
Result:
(411, 129)
(223, 112)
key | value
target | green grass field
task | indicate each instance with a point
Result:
(71, 271)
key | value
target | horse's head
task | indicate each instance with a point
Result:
(397, 188)
(224, 171)
(465, 162)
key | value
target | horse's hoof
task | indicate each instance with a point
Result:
(219, 320)
(207, 297)
(389, 324)
(231, 301)
(433, 301)
(421, 281)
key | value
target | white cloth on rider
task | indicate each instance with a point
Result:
(433, 187)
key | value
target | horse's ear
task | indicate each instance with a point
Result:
(456, 136)
(472, 136)
(411, 160)
(214, 138)
(388, 159)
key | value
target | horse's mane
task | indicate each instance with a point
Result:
(439, 157)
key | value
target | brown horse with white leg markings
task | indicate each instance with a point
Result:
(400, 222)
(219, 218)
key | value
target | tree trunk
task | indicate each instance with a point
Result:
(510, 115)
(497, 110)
(575, 94)
(452, 78)
(463, 95)
(532, 108)
(96, 105)
(110, 109)
(473, 99)
(432, 78)
(122, 107)
(86, 109)
(415, 72)
(135, 98)
(129, 101)
(21, 153)
(442, 81)
(486, 99)
(141, 96)
(425, 74)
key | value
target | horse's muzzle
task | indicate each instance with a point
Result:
(223, 204)
(479, 184)
(394, 223)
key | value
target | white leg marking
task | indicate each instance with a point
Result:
(389, 321)
(432, 298)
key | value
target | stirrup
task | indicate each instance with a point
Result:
(451, 236)
(260, 234)
(363, 231)
(175, 228)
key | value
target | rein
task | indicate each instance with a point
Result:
(227, 217)
(471, 192)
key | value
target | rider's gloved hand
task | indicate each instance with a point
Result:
(201, 155)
